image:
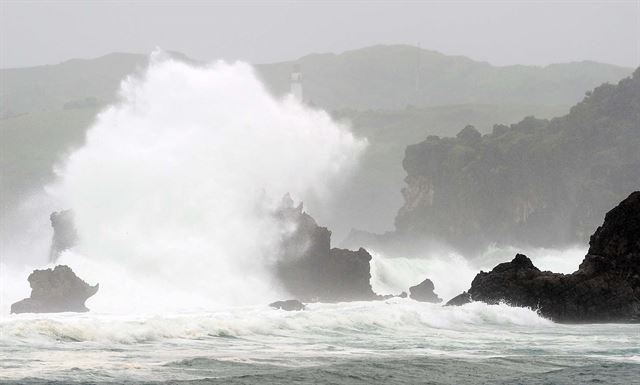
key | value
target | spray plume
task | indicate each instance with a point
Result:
(173, 190)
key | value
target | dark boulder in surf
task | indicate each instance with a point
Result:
(310, 269)
(424, 292)
(288, 305)
(54, 291)
(459, 299)
(605, 288)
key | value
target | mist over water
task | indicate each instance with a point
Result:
(174, 189)
(452, 272)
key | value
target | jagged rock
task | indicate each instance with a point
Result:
(605, 288)
(423, 292)
(55, 290)
(311, 270)
(459, 299)
(64, 233)
(288, 305)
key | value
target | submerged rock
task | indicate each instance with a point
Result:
(55, 290)
(605, 288)
(314, 272)
(288, 305)
(424, 292)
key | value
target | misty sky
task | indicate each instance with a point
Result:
(541, 32)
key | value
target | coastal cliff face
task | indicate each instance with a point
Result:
(605, 288)
(311, 270)
(537, 182)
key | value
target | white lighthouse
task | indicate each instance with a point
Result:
(296, 82)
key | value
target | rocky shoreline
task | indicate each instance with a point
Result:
(605, 288)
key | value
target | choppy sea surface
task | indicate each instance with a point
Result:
(396, 341)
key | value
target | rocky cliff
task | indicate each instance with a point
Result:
(605, 288)
(537, 182)
(313, 271)
(55, 290)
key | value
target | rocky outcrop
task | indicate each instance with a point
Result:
(55, 290)
(288, 305)
(460, 299)
(311, 270)
(423, 292)
(605, 288)
(64, 233)
(537, 182)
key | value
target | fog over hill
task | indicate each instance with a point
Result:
(395, 76)
(388, 77)
(392, 95)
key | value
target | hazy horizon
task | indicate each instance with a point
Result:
(606, 32)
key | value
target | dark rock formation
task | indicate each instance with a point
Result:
(423, 292)
(460, 299)
(538, 182)
(64, 233)
(311, 270)
(288, 305)
(605, 288)
(54, 291)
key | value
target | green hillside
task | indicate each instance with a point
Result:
(32, 144)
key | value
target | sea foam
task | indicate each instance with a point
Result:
(397, 316)
(174, 188)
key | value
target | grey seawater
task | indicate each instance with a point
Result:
(398, 341)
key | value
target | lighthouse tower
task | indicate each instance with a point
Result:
(296, 82)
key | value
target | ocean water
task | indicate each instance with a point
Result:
(393, 341)
(398, 341)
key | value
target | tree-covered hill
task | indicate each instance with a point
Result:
(539, 182)
(370, 198)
